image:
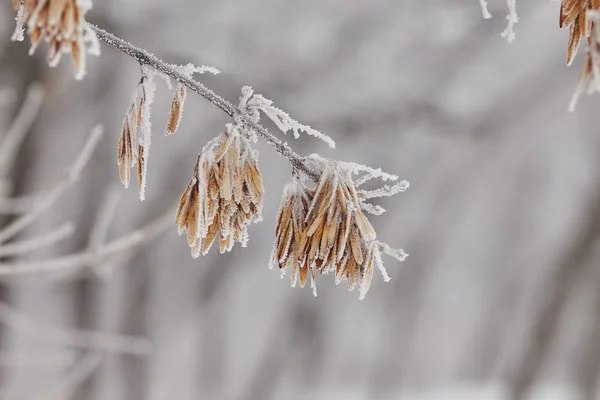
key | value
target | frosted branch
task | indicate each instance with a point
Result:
(146, 58)
(19, 33)
(484, 9)
(512, 18)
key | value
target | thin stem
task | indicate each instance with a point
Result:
(146, 58)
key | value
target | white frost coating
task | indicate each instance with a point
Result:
(190, 69)
(85, 4)
(484, 9)
(385, 191)
(145, 134)
(19, 33)
(372, 209)
(93, 44)
(512, 18)
(398, 254)
(370, 173)
(256, 102)
(379, 263)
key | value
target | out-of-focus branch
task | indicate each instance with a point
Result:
(86, 339)
(553, 292)
(13, 139)
(87, 258)
(29, 245)
(72, 176)
(146, 58)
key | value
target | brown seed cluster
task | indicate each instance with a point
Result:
(324, 230)
(224, 196)
(60, 22)
(573, 15)
(127, 154)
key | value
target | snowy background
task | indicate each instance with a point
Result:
(500, 294)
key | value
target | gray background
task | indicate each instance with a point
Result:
(501, 290)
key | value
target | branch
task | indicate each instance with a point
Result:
(146, 58)
(24, 324)
(29, 245)
(13, 139)
(72, 176)
(86, 258)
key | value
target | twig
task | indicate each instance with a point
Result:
(20, 127)
(92, 257)
(72, 176)
(146, 58)
(29, 245)
(24, 324)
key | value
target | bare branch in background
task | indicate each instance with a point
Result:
(85, 339)
(72, 176)
(28, 245)
(66, 387)
(13, 139)
(87, 258)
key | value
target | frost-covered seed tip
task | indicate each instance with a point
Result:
(61, 24)
(224, 196)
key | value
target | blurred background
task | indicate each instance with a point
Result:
(499, 299)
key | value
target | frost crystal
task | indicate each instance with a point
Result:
(512, 17)
(251, 104)
(484, 9)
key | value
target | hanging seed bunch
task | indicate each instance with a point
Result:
(225, 194)
(325, 230)
(61, 24)
(135, 138)
(133, 147)
(574, 16)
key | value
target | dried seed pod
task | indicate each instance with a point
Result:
(176, 109)
(573, 15)
(324, 230)
(227, 203)
(125, 149)
(291, 245)
(61, 22)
